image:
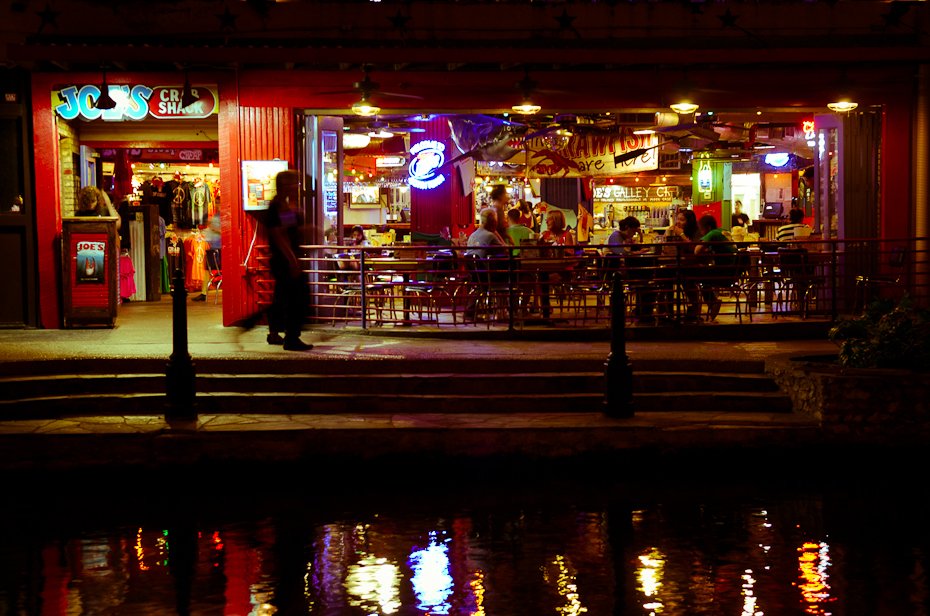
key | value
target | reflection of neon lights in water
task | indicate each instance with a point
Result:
(813, 561)
(373, 583)
(431, 581)
(477, 588)
(749, 597)
(566, 586)
(140, 551)
(649, 576)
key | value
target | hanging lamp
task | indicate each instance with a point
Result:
(844, 100)
(188, 97)
(104, 101)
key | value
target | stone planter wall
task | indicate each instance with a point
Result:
(857, 402)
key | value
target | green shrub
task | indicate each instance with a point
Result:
(885, 336)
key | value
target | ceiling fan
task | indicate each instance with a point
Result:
(383, 127)
(367, 88)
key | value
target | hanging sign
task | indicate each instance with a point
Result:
(427, 158)
(133, 102)
(590, 155)
(635, 194)
(89, 263)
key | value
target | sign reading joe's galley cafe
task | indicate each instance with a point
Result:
(133, 102)
(635, 194)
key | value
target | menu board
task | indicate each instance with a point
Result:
(258, 182)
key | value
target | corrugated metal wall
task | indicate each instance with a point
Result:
(264, 133)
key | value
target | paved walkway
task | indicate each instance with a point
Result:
(144, 332)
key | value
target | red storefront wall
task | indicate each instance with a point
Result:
(256, 122)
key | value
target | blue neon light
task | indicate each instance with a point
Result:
(427, 158)
(776, 160)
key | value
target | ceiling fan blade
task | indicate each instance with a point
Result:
(396, 95)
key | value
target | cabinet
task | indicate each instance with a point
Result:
(90, 275)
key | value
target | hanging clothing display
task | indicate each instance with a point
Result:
(127, 283)
(122, 175)
(201, 202)
(195, 249)
(175, 254)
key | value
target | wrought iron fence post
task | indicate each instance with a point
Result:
(833, 281)
(510, 286)
(181, 387)
(618, 371)
(361, 280)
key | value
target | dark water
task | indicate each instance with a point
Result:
(699, 537)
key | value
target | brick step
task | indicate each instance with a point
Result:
(334, 403)
(384, 384)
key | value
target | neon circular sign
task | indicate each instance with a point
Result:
(424, 167)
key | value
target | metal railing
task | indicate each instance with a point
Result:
(526, 286)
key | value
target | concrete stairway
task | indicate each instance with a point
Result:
(137, 387)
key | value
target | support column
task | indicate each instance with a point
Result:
(922, 183)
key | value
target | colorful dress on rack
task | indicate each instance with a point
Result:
(127, 283)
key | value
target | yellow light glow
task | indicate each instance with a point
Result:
(649, 576)
(842, 106)
(813, 562)
(365, 108)
(644, 131)
(477, 588)
(140, 551)
(374, 583)
(526, 108)
(684, 108)
(565, 583)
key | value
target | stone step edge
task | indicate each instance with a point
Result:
(429, 375)
(488, 398)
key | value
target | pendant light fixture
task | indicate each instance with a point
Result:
(188, 97)
(683, 97)
(104, 101)
(526, 107)
(844, 99)
(365, 107)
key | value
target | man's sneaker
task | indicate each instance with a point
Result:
(296, 345)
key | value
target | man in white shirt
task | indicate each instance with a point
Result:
(481, 242)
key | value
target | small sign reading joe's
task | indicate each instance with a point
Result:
(90, 260)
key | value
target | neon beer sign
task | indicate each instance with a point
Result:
(427, 158)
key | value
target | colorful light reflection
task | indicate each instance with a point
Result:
(813, 562)
(565, 584)
(431, 581)
(374, 583)
(649, 575)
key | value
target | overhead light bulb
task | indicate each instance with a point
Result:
(684, 108)
(526, 107)
(842, 106)
(382, 134)
(365, 107)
